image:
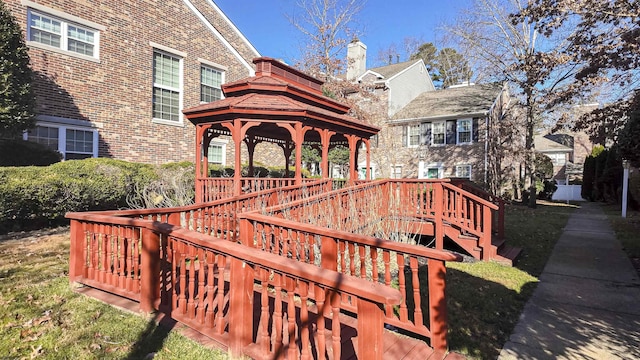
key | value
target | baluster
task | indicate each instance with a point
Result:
(304, 320)
(291, 316)
(201, 284)
(374, 263)
(211, 264)
(321, 327)
(403, 288)
(386, 258)
(134, 239)
(343, 262)
(312, 248)
(264, 311)
(352, 258)
(125, 274)
(478, 217)
(363, 261)
(415, 283)
(277, 311)
(221, 272)
(93, 274)
(182, 299)
(191, 305)
(335, 325)
(104, 249)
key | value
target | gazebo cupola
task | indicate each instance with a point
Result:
(283, 106)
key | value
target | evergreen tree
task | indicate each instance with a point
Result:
(17, 103)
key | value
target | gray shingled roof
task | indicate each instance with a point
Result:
(552, 142)
(393, 69)
(464, 100)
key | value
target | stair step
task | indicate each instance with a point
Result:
(508, 255)
(498, 243)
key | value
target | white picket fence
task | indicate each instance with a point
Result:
(568, 193)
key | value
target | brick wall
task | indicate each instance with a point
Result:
(116, 93)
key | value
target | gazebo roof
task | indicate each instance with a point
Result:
(280, 93)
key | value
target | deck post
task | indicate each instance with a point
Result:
(240, 307)
(437, 307)
(149, 271)
(76, 253)
(329, 248)
(439, 212)
(488, 252)
(370, 327)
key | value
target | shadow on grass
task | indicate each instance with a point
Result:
(152, 339)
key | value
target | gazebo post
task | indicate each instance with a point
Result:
(236, 134)
(368, 174)
(199, 138)
(298, 140)
(251, 147)
(325, 140)
(353, 146)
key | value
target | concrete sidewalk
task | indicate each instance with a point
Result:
(587, 304)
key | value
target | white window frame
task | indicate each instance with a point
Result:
(62, 138)
(411, 128)
(444, 133)
(65, 20)
(394, 173)
(180, 90)
(223, 146)
(557, 158)
(216, 67)
(423, 170)
(459, 169)
(458, 132)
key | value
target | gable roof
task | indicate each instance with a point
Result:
(472, 100)
(209, 24)
(384, 73)
(553, 143)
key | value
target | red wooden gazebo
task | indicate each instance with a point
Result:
(280, 105)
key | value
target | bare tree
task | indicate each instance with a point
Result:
(328, 26)
(517, 53)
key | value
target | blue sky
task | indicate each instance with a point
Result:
(384, 22)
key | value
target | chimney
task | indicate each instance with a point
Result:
(356, 59)
(397, 58)
(390, 59)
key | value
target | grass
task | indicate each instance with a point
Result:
(485, 299)
(626, 230)
(41, 317)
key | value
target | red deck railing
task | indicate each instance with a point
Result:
(203, 282)
(175, 260)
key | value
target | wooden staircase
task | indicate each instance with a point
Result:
(499, 252)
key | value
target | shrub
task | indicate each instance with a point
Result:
(33, 197)
(26, 153)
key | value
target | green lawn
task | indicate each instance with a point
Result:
(485, 299)
(626, 230)
(41, 317)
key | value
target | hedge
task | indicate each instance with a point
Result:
(33, 197)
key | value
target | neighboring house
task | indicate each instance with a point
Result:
(426, 133)
(112, 78)
(445, 133)
(567, 152)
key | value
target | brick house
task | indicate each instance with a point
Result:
(113, 76)
(428, 133)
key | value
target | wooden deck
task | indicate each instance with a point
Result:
(395, 346)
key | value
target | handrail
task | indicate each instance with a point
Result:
(472, 196)
(356, 238)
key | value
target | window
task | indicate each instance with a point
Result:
(396, 172)
(558, 159)
(463, 171)
(58, 33)
(71, 142)
(430, 171)
(167, 86)
(210, 84)
(438, 133)
(413, 135)
(464, 131)
(217, 153)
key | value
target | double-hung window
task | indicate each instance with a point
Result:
(438, 133)
(210, 84)
(59, 33)
(463, 171)
(70, 141)
(464, 128)
(167, 87)
(413, 135)
(217, 152)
